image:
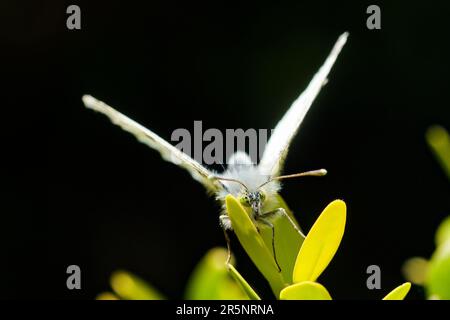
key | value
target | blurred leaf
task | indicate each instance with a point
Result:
(398, 293)
(107, 296)
(130, 287)
(321, 243)
(243, 283)
(438, 280)
(415, 270)
(287, 240)
(253, 243)
(210, 279)
(443, 232)
(307, 290)
(439, 141)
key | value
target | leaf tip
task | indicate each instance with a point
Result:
(399, 293)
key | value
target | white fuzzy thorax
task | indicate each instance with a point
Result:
(241, 168)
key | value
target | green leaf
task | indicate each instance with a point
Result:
(253, 243)
(439, 141)
(415, 270)
(307, 290)
(321, 243)
(210, 279)
(243, 283)
(438, 277)
(130, 287)
(287, 240)
(399, 293)
(443, 232)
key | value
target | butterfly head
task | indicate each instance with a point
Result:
(255, 197)
(253, 200)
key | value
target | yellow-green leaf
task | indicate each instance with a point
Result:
(130, 287)
(210, 279)
(443, 232)
(399, 293)
(439, 141)
(415, 270)
(287, 239)
(253, 243)
(321, 243)
(243, 283)
(307, 290)
(438, 276)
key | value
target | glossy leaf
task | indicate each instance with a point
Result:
(253, 243)
(287, 240)
(210, 279)
(321, 243)
(306, 290)
(398, 293)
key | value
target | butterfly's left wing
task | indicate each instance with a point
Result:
(144, 135)
(276, 149)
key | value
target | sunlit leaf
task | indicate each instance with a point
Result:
(443, 232)
(439, 141)
(415, 270)
(306, 290)
(321, 243)
(398, 293)
(253, 243)
(243, 283)
(130, 287)
(438, 279)
(210, 279)
(287, 240)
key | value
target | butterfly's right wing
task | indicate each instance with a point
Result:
(276, 149)
(144, 135)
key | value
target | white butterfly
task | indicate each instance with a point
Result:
(256, 186)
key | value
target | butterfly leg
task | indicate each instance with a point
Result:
(270, 225)
(281, 211)
(225, 223)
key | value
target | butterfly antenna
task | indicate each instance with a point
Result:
(228, 179)
(313, 173)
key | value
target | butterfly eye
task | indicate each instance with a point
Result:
(245, 200)
(263, 196)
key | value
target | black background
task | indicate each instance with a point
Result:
(78, 190)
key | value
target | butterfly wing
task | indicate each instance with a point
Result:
(276, 149)
(144, 135)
